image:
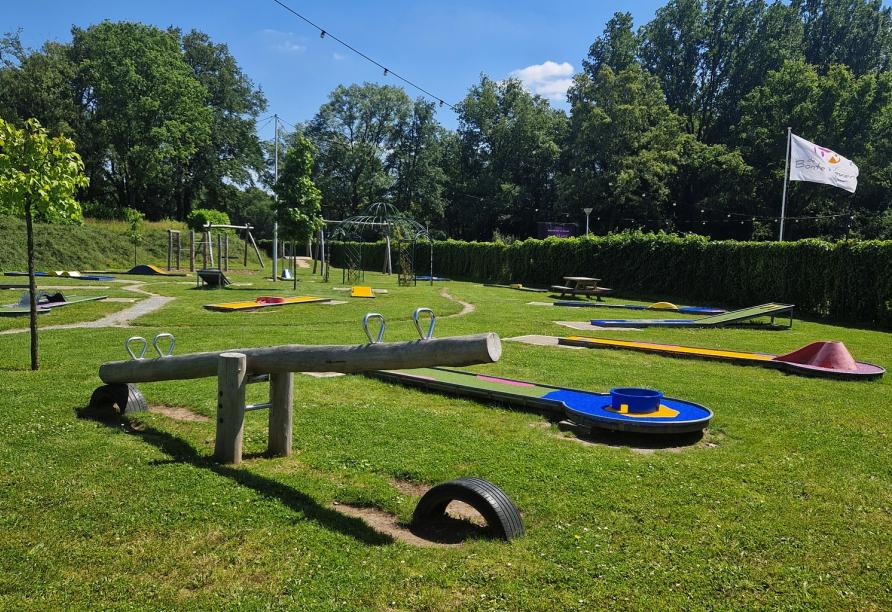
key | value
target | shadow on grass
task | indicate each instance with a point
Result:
(632, 440)
(180, 451)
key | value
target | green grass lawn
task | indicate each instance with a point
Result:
(786, 503)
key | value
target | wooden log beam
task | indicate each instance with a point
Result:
(454, 351)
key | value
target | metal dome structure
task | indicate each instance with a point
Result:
(382, 220)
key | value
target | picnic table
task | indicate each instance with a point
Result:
(580, 285)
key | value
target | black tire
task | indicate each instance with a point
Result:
(126, 397)
(501, 515)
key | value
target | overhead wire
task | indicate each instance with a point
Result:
(387, 71)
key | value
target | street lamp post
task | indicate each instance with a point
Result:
(587, 212)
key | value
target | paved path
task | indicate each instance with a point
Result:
(466, 308)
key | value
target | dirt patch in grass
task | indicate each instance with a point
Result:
(457, 510)
(179, 414)
(443, 533)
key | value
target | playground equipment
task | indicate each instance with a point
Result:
(237, 368)
(500, 513)
(207, 247)
(704, 310)
(729, 318)
(266, 301)
(384, 220)
(827, 359)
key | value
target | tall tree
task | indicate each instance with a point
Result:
(856, 33)
(232, 153)
(420, 178)
(617, 48)
(623, 148)
(38, 177)
(147, 112)
(509, 147)
(708, 54)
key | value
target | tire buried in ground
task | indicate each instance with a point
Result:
(502, 516)
(126, 397)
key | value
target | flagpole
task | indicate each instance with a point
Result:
(786, 180)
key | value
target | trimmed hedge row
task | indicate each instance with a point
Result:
(844, 281)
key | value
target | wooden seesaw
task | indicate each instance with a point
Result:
(237, 368)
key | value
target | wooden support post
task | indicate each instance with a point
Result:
(247, 231)
(206, 242)
(281, 399)
(219, 252)
(226, 252)
(169, 248)
(191, 250)
(231, 371)
(179, 248)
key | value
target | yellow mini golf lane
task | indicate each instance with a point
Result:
(265, 303)
(666, 349)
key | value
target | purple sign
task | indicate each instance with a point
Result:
(561, 230)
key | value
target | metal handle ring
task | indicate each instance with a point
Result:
(142, 352)
(365, 326)
(416, 316)
(170, 346)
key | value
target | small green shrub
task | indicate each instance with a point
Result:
(198, 217)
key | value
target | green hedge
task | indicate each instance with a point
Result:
(845, 281)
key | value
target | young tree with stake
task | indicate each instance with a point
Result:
(39, 175)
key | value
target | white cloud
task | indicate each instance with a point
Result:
(548, 79)
(283, 42)
(338, 56)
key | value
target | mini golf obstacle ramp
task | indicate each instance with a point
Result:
(45, 302)
(703, 310)
(213, 278)
(265, 301)
(151, 270)
(428, 277)
(828, 359)
(55, 300)
(671, 416)
(360, 291)
(518, 287)
(70, 274)
(734, 317)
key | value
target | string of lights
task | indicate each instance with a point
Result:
(387, 71)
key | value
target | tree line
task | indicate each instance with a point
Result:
(678, 124)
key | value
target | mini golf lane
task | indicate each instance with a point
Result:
(583, 407)
(827, 359)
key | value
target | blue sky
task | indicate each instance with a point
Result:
(443, 46)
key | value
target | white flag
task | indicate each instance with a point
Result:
(810, 162)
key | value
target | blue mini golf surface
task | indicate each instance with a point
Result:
(593, 409)
(582, 407)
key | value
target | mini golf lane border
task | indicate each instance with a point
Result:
(595, 416)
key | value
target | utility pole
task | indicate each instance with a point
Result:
(276, 215)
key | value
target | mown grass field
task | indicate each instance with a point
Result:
(785, 503)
